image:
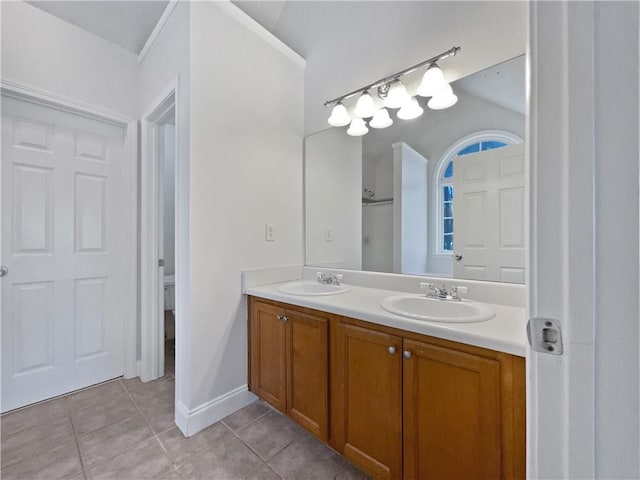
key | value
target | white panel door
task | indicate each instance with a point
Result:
(488, 215)
(62, 221)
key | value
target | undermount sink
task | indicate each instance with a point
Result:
(312, 289)
(434, 310)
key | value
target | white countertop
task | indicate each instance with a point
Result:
(506, 332)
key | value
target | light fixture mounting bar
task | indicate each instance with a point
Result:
(449, 53)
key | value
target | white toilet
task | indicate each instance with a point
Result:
(169, 305)
(170, 292)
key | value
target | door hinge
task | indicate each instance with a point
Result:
(545, 335)
(161, 262)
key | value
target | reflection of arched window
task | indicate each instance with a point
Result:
(478, 142)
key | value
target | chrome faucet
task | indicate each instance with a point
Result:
(329, 278)
(441, 293)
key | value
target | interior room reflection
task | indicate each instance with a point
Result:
(440, 195)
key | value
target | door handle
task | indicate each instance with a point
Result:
(3, 271)
(457, 257)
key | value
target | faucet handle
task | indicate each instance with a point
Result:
(339, 277)
(456, 290)
(427, 285)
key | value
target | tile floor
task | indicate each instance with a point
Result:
(124, 430)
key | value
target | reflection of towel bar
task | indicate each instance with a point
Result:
(371, 203)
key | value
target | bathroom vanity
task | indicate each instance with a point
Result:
(400, 398)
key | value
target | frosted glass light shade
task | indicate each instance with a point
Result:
(445, 98)
(396, 96)
(357, 128)
(432, 82)
(381, 119)
(365, 107)
(339, 116)
(410, 110)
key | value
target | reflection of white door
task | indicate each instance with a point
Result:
(489, 216)
(62, 221)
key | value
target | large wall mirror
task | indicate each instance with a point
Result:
(441, 195)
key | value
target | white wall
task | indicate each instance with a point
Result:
(167, 59)
(46, 53)
(617, 346)
(365, 41)
(584, 406)
(333, 199)
(410, 193)
(246, 171)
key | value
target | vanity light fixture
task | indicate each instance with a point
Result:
(357, 127)
(397, 95)
(381, 119)
(339, 116)
(393, 94)
(365, 107)
(410, 110)
(445, 98)
(432, 82)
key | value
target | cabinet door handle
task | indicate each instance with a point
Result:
(406, 354)
(279, 317)
(391, 349)
(285, 318)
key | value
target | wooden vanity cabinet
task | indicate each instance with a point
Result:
(288, 362)
(415, 407)
(367, 399)
(401, 404)
(451, 413)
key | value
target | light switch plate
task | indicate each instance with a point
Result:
(269, 232)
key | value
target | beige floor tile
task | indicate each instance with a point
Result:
(245, 416)
(159, 392)
(172, 474)
(181, 449)
(32, 416)
(310, 459)
(264, 473)
(144, 462)
(57, 463)
(227, 458)
(106, 393)
(86, 420)
(107, 442)
(133, 384)
(270, 434)
(159, 417)
(30, 442)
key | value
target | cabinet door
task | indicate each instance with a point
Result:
(308, 365)
(268, 354)
(452, 421)
(368, 403)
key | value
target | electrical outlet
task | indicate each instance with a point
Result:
(269, 232)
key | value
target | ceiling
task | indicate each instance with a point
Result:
(502, 84)
(125, 23)
(311, 28)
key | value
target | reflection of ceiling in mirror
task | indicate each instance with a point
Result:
(502, 84)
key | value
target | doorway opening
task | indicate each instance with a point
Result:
(166, 239)
(158, 239)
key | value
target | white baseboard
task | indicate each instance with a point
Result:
(191, 422)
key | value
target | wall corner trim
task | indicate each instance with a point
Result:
(270, 38)
(157, 29)
(191, 422)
